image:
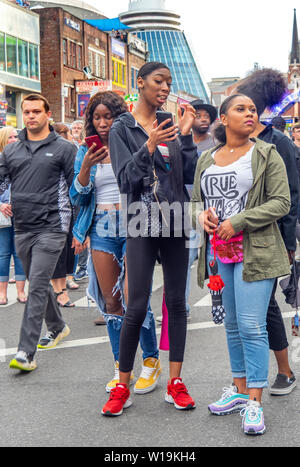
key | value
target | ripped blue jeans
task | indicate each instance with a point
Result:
(108, 234)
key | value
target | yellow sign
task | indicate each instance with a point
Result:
(11, 120)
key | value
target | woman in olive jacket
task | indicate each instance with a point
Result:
(245, 209)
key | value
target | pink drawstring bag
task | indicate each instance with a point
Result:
(230, 251)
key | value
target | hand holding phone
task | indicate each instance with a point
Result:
(163, 131)
(162, 117)
(97, 151)
(90, 140)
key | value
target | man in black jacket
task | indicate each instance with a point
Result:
(39, 168)
(285, 381)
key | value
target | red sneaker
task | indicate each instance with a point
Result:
(178, 395)
(118, 400)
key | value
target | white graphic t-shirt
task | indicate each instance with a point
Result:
(226, 188)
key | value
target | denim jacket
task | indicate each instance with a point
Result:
(5, 197)
(84, 197)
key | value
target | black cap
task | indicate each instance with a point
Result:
(199, 104)
(279, 122)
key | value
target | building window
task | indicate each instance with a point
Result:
(23, 58)
(34, 61)
(79, 57)
(65, 51)
(73, 49)
(19, 57)
(134, 75)
(97, 63)
(11, 54)
(72, 54)
(2, 52)
(119, 73)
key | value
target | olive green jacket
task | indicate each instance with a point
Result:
(265, 255)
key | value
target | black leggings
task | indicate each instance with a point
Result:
(275, 325)
(141, 254)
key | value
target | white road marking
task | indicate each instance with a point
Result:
(103, 340)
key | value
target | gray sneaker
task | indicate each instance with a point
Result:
(23, 362)
(283, 385)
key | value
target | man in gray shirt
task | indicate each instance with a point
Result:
(206, 115)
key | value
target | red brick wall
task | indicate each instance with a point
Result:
(50, 52)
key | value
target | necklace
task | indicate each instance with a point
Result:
(234, 149)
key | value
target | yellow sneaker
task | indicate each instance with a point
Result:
(148, 379)
(116, 379)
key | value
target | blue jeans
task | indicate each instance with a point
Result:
(107, 234)
(148, 340)
(7, 250)
(246, 305)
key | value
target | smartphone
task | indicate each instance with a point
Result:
(162, 116)
(213, 213)
(90, 140)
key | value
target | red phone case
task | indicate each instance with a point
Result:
(90, 140)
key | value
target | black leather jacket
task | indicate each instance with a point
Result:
(288, 151)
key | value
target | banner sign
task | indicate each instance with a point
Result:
(89, 87)
(117, 48)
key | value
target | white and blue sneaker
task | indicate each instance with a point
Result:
(231, 401)
(253, 419)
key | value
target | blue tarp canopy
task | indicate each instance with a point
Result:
(107, 24)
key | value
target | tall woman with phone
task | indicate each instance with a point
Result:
(95, 189)
(142, 150)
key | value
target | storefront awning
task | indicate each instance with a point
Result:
(107, 24)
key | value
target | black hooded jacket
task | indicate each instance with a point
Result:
(40, 181)
(288, 151)
(132, 162)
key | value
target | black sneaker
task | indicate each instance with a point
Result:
(283, 385)
(51, 339)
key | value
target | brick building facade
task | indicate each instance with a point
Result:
(70, 45)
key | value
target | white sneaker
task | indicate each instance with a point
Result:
(116, 379)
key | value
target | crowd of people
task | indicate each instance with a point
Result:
(109, 197)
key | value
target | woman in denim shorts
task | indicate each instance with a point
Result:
(95, 189)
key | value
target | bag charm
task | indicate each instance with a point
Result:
(216, 286)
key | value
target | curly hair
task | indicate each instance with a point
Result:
(111, 100)
(265, 87)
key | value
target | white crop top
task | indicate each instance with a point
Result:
(107, 190)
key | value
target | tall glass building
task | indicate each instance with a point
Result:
(167, 43)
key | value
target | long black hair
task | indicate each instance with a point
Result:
(265, 87)
(111, 100)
